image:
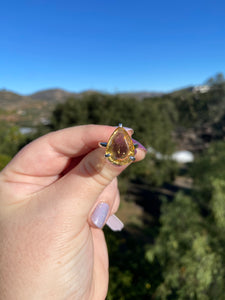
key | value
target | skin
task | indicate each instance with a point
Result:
(49, 249)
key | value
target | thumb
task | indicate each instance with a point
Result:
(76, 193)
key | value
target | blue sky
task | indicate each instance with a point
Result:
(110, 45)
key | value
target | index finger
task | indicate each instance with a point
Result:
(49, 155)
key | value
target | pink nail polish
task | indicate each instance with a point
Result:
(114, 223)
(128, 129)
(140, 146)
(100, 213)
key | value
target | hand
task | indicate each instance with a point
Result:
(50, 248)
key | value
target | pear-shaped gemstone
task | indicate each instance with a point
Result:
(120, 147)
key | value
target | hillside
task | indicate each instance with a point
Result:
(200, 115)
(23, 110)
(52, 95)
(36, 108)
(10, 100)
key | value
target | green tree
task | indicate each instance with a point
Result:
(215, 80)
(191, 241)
(4, 160)
(206, 168)
(10, 140)
(190, 255)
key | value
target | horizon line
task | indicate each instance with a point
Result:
(99, 90)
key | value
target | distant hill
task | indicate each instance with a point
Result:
(59, 95)
(53, 95)
(23, 110)
(200, 114)
(10, 100)
(36, 108)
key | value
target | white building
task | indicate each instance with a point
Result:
(201, 89)
(182, 156)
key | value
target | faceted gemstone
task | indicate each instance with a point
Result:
(120, 147)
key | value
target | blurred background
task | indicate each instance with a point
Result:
(156, 67)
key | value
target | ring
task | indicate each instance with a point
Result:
(120, 149)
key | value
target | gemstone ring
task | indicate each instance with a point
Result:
(120, 149)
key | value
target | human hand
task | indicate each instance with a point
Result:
(50, 248)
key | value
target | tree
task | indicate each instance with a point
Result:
(191, 258)
(206, 168)
(217, 79)
(10, 139)
(191, 240)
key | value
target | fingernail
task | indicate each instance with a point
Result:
(129, 129)
(100, 213)
(114, 223)
(140, 146)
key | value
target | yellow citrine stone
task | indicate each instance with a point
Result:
(120, 149)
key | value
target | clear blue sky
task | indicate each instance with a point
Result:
(110, 45)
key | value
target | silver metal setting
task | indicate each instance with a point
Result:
(103, 144)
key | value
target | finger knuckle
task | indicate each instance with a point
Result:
(97, 172)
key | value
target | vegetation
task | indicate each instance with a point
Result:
(152, 120)
(175, 250)
(10, 140)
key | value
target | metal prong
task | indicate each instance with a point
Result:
(103, 144)
(136, 145)
(107, 155)
(120, 125)
(132, 158)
